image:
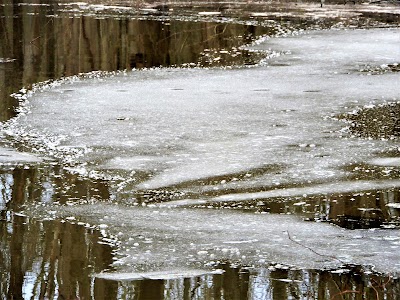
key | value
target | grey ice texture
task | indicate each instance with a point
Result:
(185, 125)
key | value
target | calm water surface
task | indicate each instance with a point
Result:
(56, 259)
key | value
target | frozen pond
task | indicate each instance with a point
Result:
(223, 178)
(220, 131)
(223, 135)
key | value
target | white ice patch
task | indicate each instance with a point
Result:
(185, 125)
(158, 275)
(316, 189)
(8, 155)
(209, 13)
(6, 60)
(394, 205)
(386, 161)
(183, 238)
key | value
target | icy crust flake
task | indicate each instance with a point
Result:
(6, 60)
(40, 140)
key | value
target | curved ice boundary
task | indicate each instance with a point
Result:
(313, 190)
(180, 127)
(167, 127)
(154, 239)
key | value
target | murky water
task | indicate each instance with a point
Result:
(44, 42)
(58, 258)
(267, 283)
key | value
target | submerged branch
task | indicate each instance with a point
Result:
(345, 292)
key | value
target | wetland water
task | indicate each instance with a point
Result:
(125, 168)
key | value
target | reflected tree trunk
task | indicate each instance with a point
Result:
(278, 287)
(17, 238)
(105, 289)
(151, 290)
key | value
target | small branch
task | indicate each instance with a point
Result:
(36, 38)
(345, 292)
(382, 285)
(313, 251)
(376, 292)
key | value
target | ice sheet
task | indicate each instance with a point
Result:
(185, 125)
(153, 239)
(259, 126)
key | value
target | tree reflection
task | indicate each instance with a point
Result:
(239, 283)
(46, 259)
(47, 42)
(357, 210)
(54, 259)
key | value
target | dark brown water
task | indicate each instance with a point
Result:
(56, 259)
(44, 42)
(241, 283)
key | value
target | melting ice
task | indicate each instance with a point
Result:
(246, 128)
(184, 125)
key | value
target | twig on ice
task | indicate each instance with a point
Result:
(312, 250)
